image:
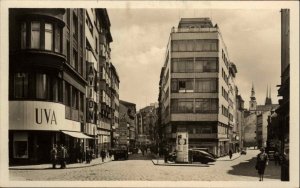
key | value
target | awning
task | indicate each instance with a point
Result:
(77, 134)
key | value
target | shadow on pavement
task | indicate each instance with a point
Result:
(247, 168)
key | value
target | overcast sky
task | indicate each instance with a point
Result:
(140, 37)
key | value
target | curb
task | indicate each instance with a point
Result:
(49, 168)
(178, 164)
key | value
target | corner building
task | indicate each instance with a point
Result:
(197, 93)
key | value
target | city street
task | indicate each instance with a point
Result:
(141, 168)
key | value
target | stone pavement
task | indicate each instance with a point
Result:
(226, 158)
(162, 163)
(94, 162)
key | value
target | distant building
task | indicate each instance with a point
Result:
(146, 120)
(125, 133)
(256, 120)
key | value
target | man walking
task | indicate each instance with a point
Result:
(62, 154)
(53, 154)
(103, 155)
(230, 153)
(261, 163)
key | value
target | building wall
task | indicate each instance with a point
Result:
(249, 131)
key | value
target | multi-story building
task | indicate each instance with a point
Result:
(125, 133)
(47, 82)
(197, 90)
(57, 81)
(262, 128)
(146, 120)
(240, 122)
(115, 103)
(284, 91)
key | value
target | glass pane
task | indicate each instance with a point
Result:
(23, 35)
(182, 45)
(35, 35)
(48, 36)
(57, 39)
(41, 86)
(55, 89)
(21, 85)
(189, 66)
(190, 45)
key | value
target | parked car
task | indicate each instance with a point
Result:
(201, 156)
(133, 150)
(120, 152)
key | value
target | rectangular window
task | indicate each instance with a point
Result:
(206, 85)
(23, 35)
(35, 35)
(21, 85)
(206, 65)
(206, 45)
(74, 98)
(57, 39)
(68, 52)
(182, 105)
(55, 89)
(75, 27)
(75, 60)
(67, 95)
(42, 86)
(182, 65)
(48, 36)
(206, 105)
(20, 145)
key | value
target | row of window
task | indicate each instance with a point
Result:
(41, 35)
(203, 64)
(225, 59)
(225, 111)
(46, 87)
(194, 105)
(200, 45)
(194, 85)
(225, 77)
(225, 94)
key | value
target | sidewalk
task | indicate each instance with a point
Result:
(226, 158)
(94, 162)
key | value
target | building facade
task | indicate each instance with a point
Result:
(284, 91)
(54, 81)
(262, 128)
(125, 133)
(146, 120)
(197, 90)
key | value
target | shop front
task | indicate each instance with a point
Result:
(35, 126)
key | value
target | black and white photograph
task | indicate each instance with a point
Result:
(149, 94)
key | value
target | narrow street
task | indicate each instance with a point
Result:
(141, 168)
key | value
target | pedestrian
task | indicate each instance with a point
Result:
(276, 158)
(88, 155)
(103, 154)
(261, 163)
(166, 154)
(62, 155)
(53, 154)
(230, 153)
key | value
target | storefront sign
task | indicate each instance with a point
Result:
(37, 115)
(182, 147)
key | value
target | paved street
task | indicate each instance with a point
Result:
(141, 168)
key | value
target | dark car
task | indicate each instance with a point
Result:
(201, 156)
(133, 150)
(120, 153)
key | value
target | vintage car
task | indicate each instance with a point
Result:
(244, 151)
(120, 153)
(201, 156)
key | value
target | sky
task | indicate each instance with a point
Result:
(140, 37)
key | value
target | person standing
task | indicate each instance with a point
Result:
(261, 163)
(103, 155)
(53, 154)
(62, 154)
(230, 153)
(88, 155)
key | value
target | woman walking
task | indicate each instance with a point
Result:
(261, 163)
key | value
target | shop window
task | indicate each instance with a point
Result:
(48, 36)
(35, 35)
(20, 145)
(21, 85)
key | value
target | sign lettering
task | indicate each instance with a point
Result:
(45, 114)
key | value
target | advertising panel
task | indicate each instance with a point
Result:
(182, 147)
(37, 115)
